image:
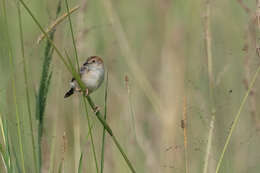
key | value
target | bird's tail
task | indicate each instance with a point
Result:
(69, 93)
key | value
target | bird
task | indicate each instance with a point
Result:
(91, 73)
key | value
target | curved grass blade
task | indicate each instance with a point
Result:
(80, 163)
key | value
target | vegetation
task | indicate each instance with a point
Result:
(180, 93)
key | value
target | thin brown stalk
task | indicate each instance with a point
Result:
(131, 109)
(56, 22)
(129, 56)
(185, 138)
(64, 149)
(247, 10)
(251, 44)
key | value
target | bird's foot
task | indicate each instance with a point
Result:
(77, 89)
(96, 109)
(86, 92)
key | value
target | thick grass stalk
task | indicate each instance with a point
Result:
(27, 88)
(82, 86)
(104, 130)
(44, 88)
(91, 136)
(42, 96)
(211, 84)
(76, 58)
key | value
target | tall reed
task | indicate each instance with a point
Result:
(104, 131)
(28, 102)
(207, 30)
(44, 88)
(14, 91)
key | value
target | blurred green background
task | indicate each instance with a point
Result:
(160, 46)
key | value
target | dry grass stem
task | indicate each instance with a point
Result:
(211, 84)
(129, 56)
(55, 23)
(251, 44)
(185, 138)
(247, 10)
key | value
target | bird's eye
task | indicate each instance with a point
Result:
(94, 61)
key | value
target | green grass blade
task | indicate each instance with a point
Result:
(17, 119)
(4, 152)
(236, 118)
(71, 70)
(72, 35)
(108, 129)
(27, 88)
(42, 95)
(5, 134)
(53, 148)
(80, 164)
(104, 131)
(211, 84)
(4, 157)
(60, 167)
(16, 160)
(91, 136)
(68, 59)
(44, 87)
(11, 63)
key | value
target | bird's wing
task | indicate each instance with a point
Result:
(83, 70)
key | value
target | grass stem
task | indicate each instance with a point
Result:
(104, 130)
(91, 136)
(11, 61)
(211, 84)
(72, 35)
(27, 88)
(236, 118)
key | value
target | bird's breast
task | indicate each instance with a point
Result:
(93, 79)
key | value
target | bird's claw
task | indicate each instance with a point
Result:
(96, 109)
(86, 92)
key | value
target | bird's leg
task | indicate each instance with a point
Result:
(86, 92)
(77, 89)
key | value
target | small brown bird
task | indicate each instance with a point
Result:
(92, 75)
